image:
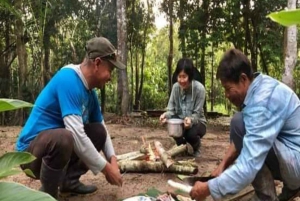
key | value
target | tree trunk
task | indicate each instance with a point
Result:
(202, 31)
(263, 60)
(7, 56)
(144, 45)
(170, 56)
(212, 96)
(182, 28)
(50, 25)
(290, 55)
(123, 93)
(136, 99)
(22, 58)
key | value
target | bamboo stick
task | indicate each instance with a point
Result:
(164, 156)
(135, 155)
(176, 150)
(149, 166)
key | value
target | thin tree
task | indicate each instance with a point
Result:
(123, 92)
(22, 58)
(290, 50)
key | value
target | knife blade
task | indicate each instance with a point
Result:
(192, 180)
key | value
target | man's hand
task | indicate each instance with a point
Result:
(112, 174)
(187, 122)
(200, 191)
(163, 118)
(228, 160)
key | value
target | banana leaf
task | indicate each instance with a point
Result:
(12, 104)
(286, 17)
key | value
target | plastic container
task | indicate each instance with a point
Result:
(175, 128)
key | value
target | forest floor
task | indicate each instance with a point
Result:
(126, 135)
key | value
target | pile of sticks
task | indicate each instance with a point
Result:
(156, 160)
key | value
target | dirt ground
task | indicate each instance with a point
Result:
(126, 137)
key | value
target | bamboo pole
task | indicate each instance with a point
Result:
(149, 166)
(135, 155)
(164, 156)
(176, 150)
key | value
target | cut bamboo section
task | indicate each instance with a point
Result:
(151, 154)
(136, 155)
(176, 150)
(164, 156)
(187, 162)
(155, 167)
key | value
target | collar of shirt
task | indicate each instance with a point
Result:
(256, 81)
(184, 92)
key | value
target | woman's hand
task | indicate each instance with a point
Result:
(187, 122)
(163, 118)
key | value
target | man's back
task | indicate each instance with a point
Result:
(64, 95)
(280, 106)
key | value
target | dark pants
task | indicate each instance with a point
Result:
(264, 180)
(192, 135)
(55, 147)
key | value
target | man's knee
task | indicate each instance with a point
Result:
(66, 142)
(97, 134)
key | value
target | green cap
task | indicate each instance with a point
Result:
(102, 47)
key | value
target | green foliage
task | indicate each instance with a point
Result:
(286, 17)
(11, 160)
(10, 191)
(12, 104)
(9, 165)
(203, 31)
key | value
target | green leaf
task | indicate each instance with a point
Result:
(29, 173)
(181, 176)
(286, 17)
(12, 104)
(152, 192)
(10, 173)
(10, 191)
(13, 159)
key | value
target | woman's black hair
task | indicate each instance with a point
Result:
(186, 65)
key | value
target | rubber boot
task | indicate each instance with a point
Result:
(288, 194)
(71, 186)
(50, 179)
(264, 186)
(197, 151)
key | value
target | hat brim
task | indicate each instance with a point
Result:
(117, 64)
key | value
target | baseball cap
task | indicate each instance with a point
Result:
(102, 47)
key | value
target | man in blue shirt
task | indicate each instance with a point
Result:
(264, 136)
(66, 131)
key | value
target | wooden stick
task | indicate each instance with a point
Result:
(144, 142)
(158, 167)
(131, 156)
(176, 150)
(164, 156)
(240, 195)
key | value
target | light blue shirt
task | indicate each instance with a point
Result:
(272, 120)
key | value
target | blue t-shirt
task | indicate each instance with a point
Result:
(64, 95)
